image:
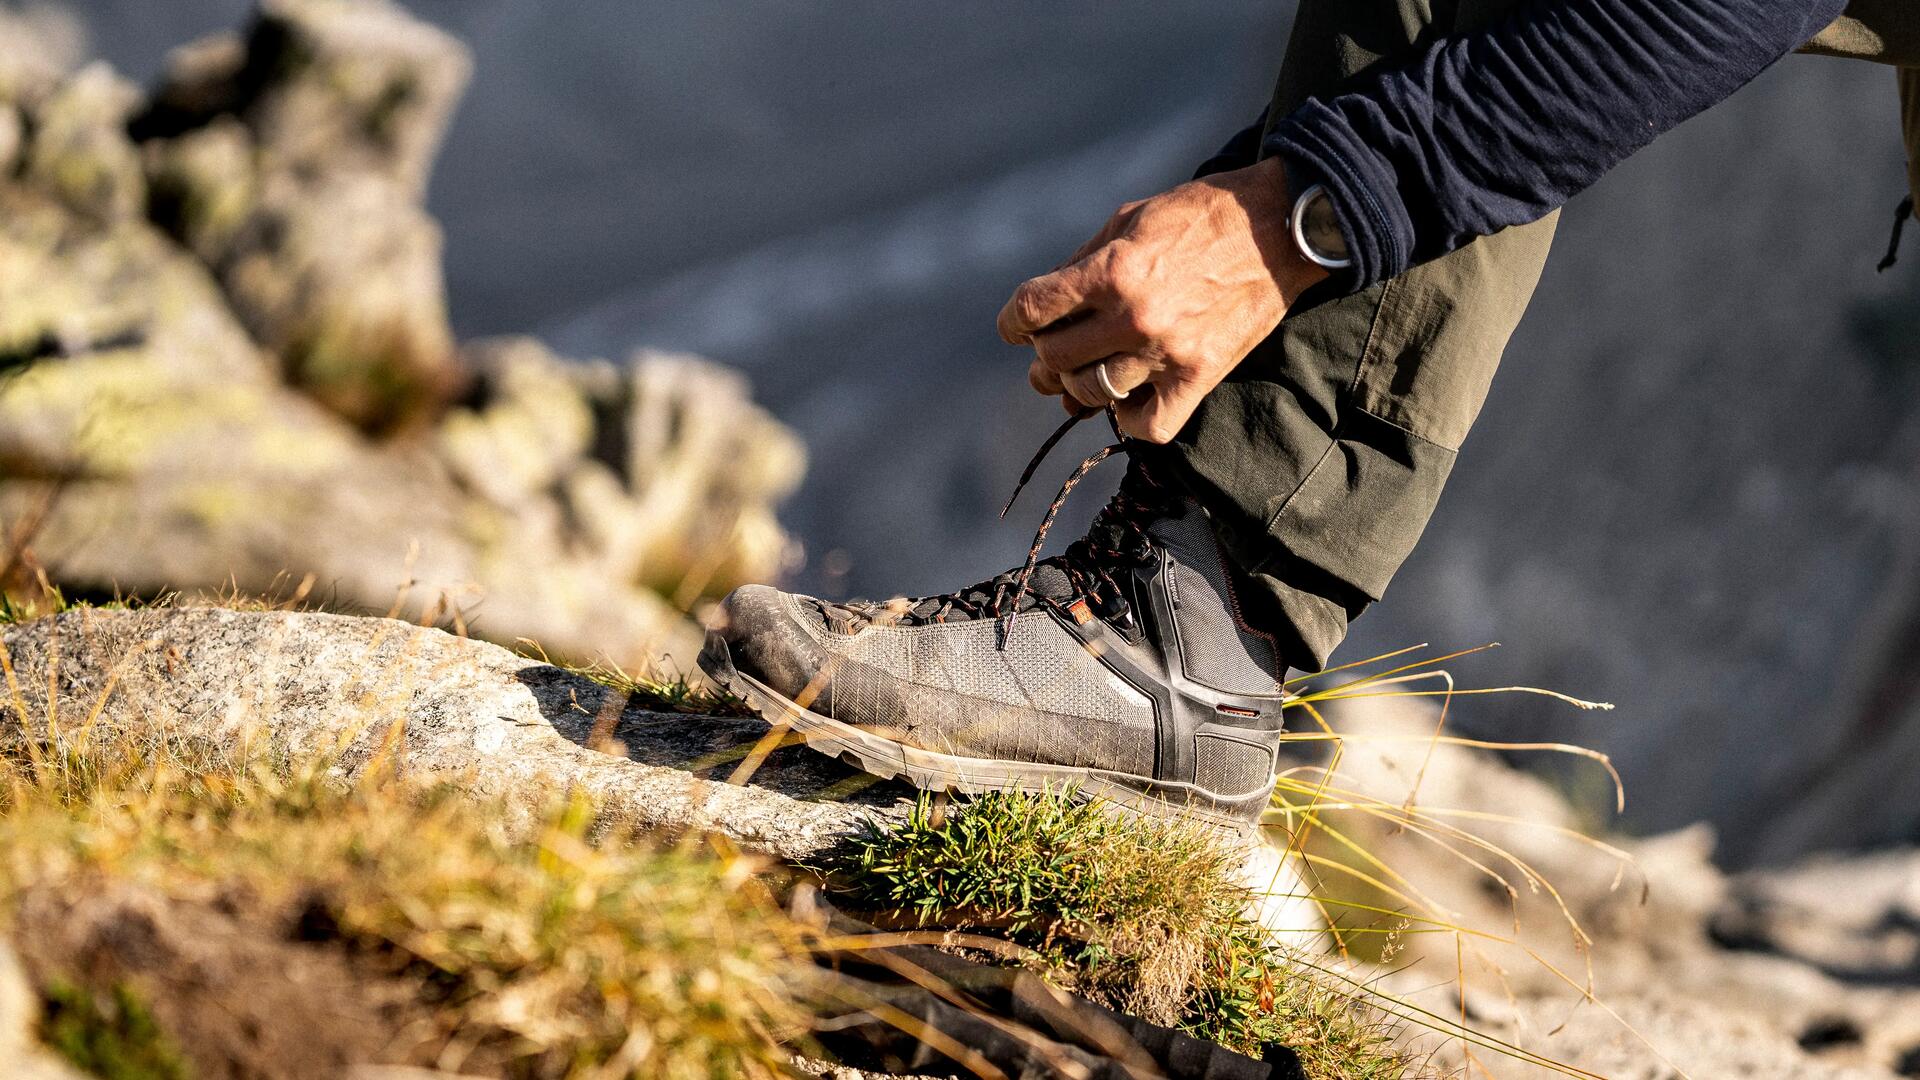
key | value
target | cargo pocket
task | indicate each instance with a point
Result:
(1360, 511)
(1440, 330)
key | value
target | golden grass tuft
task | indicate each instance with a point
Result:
(549, 955)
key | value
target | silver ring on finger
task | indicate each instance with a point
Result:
(1106, 383)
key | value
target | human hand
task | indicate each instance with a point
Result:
(1170, 295)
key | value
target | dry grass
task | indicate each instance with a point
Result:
(1370, 903)
(544, 956)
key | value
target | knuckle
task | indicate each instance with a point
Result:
(1026, 300)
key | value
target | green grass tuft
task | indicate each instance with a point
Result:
(115, 1039)
(1139, 915)
(18, 609)
(662, 692)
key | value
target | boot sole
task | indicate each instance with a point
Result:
(930, 770)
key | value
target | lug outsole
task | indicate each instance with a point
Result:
(930, 770)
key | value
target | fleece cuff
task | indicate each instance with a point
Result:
(1319, 147)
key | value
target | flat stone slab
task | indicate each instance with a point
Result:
(463, 711)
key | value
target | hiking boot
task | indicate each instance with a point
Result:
(1121, 669)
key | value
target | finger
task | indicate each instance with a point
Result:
(1073, 345)
(1157, 414)
(1043, 301)
(1127, 373)
(1075, 407)
(1044, 379)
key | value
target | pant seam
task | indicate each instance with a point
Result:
(1333, 442)
(1353, 389)
(1369, 350)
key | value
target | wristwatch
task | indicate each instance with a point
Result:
(1316, 230)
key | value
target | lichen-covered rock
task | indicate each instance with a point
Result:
(197, 336)
(351, 86)
(294, 162)
(74, 286)
(711, 476)
(201, 186)
(529, 429)
(341, 278)
(39, 43)
(160, 450)
(80, 152)
(11, 134)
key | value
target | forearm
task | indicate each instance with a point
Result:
(1499, 126)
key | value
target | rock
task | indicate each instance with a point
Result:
(341, 278)
(1672, 997)
(141, 409)
(533, 422)
(117, 292)
(196, 335)
(350, 86)
(711, 474)
(1856, 917)
(467, 712)
(80, 151)
(11, 135)
(294, 162)
(201, 186)
(38, 44)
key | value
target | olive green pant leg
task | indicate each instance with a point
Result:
(1322, 455)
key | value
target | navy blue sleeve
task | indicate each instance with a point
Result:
(1500, 125)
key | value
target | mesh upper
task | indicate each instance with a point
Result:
(1042, 666)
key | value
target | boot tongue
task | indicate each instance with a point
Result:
(1049, 582)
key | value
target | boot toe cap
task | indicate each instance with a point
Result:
(765, 640)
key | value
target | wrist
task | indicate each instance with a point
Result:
(1265, 192)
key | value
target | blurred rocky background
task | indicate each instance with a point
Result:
(226, 363)
(1692, 493)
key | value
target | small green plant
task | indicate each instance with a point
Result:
(17, 609)
(1140, 915)
(663, 692)
(115, 1039)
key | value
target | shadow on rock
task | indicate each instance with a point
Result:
(715, 748)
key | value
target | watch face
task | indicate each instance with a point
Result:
(1320, 229)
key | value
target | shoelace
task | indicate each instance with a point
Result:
(1101, 555)
(1117, 537)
